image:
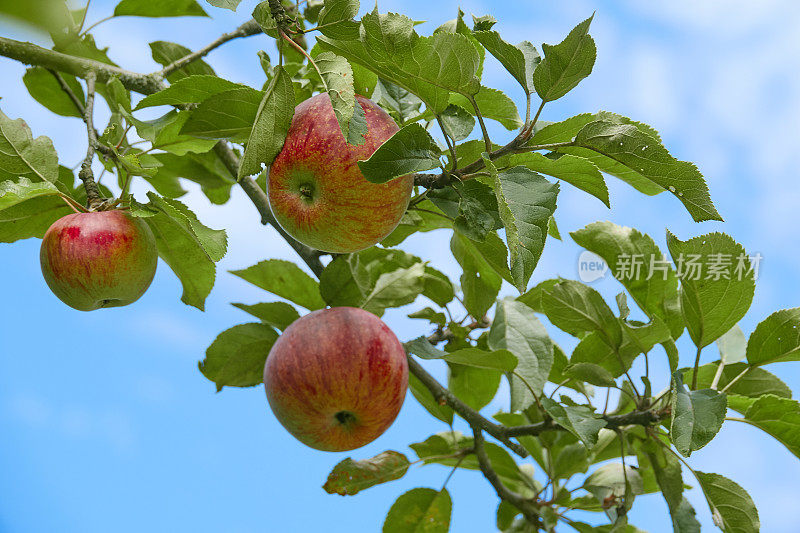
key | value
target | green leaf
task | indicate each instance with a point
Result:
(712, 304)
(474, 386)
(526, 202)
(425, 398)
(591, 373)
(577, 309)
(776, 339)
(271, 125)
(226, 115)
(610, 480)
(520, 60)
(420, 510)
(565, 64)
(339, 83)
(778, 417)
(476, 213)
(437, 287)
(189, 90)
(336, 17)
(165, 53)
(432, 316)
(284, 279)
(479, 281)
(276, 314)
(397, 101)
(667, 470)
(350, 477)
(236, 357)
(457, 122)
(411, 149)
(414, 221)
(225, 4)
(430, 67)
(151, 8)
(22, 156)
(395, 289)
(185, 244)
(493, 104)
(697, 416)
(44, 88)
(515, 328)
(48, 15)
(31, 218)
(169, 139)
(629, 255)
(204, 169)
(629, 145)
(755, 383)
(732, 346)
(576, 171)
(13, 193)
(578, 420)
(731, 507)
(474, 357)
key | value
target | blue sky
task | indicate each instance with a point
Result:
(108, 425)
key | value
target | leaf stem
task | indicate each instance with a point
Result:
(696, 366)
(487, 141)
(718, 375)
(447, 140)
(93, 26)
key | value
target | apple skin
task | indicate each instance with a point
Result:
(98, 259)
(336, 378)
(316, 190)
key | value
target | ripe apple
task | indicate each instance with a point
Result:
(316, 190)
(336, 378)
(98, 259)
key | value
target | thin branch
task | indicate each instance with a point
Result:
(96, 24)
(450, 145)
(526, 506)
(487, 141)
(261, 202)
(634, 418)
(473, 417)
(247, 29)
(93, 197)
(31, 54)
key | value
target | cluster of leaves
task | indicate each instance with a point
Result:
(499, 204)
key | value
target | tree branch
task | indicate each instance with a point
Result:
(31, 54)
(473, 417)
(526, 506)
(261, 202)
(93, 197)
(247, 29)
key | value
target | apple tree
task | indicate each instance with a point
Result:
(352, 145)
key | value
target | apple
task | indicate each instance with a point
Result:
(336, 378)
(316, 190)
(98, 259)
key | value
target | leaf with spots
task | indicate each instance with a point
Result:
(337, 74)
(350, 477)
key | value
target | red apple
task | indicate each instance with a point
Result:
(98, 259)
(316, 190)
(336, 378)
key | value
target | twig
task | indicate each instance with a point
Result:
(473, 417)
(93, 198)
(261, 202)
(526, 506)
(634, 418)
(247, 29)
